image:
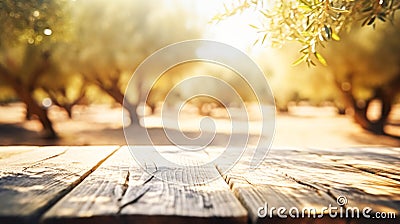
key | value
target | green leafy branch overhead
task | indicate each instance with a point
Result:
(312, 23)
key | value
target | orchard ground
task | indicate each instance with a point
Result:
(303, 126)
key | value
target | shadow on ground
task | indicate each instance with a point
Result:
(101, 125)
(15, 134)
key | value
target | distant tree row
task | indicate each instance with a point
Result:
(61, 49)
(79, 51)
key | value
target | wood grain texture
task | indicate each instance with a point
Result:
(119, 191)
(9, 151)
(339, 177)
(34, 178)
(60, 182)
(311, 177)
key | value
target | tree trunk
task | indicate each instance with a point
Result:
(116, 94)
(28, 114)
(360, 116)
(132, 113)
(383, 95)
(68, 109)
(26, 97)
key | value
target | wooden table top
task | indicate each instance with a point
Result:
(104, 184)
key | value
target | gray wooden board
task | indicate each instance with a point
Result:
(33, 178)
(120, 191)
(380, 161)
(310, 177)
(362, 188)
(266, 187)
(10, 151)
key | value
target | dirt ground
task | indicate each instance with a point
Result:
(102, 125)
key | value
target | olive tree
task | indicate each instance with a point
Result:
(29, 34)
(116, 36)
(362, 74)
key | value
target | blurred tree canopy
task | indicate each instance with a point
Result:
(30, 33)
(114, 37)
(311, 22)
(71, 51)
(75, 51)
(364, 63)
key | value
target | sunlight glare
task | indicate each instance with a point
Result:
(47, 32)
(234, 30)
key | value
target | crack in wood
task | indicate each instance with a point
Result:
(138, 194)
(207, 204)
(316, 189)
(64, 192)
(359, 168)
(288, 184)
(372, 172)
(150, 178)
(122, 188)
(45, 159)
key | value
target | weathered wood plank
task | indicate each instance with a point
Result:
(9, 151)
(379, 161)
(303, 178)
(265, 188)
(33, 179)
(360, 187)
(120, 191)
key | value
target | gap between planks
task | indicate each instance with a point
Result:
(120, 191)
(128, 192)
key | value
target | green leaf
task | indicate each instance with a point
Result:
(312, 63)
(305, 8)
(335, 37)
(304, 49)
(309, 26)
(264, 38)
(371, 21)
(255, 42)
(265, 13)
(254, 26)
(382, 18)
(300, 60)
(322, 37)
(321, 58)
(306, 3)
(338, 10)
(328, 32)
(367, 9)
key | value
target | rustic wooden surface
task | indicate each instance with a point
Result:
(120, 191)
(32, 179)
(102, 185)
(367, 177)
